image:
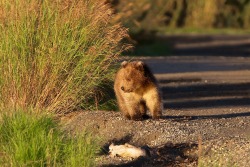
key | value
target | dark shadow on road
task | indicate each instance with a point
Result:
(208, 103)
(205, 95)
(208, 45)
(225, 50)
(140, 162)
(201, 89)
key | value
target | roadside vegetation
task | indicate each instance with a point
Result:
(224, 155)
(55, 57)
(148, 19)
(28, 139)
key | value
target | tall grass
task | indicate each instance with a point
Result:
(36, 140)
(55, 54)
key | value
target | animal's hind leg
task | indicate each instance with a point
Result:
(153, 101)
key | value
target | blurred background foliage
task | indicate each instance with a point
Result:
(147, 17)
(149, 20)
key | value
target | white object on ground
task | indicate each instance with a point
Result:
(126, 151)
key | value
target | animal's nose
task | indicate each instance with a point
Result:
(122, 88)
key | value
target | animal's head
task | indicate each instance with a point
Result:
(133, 76)
(111, 146)
(112, 150)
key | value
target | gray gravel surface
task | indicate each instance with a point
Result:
(171, 132)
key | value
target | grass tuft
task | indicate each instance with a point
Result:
(35, 140)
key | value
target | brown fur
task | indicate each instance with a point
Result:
(136, 91)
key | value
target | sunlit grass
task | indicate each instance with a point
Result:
(28, 139)
(54, 55)
(223, 159)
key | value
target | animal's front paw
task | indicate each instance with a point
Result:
(157, 116)
(137, 117)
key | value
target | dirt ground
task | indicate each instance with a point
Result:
(206, 113)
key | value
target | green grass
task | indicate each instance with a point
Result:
(154, 48)
(54, 55)
(206, 31)
(35, 140)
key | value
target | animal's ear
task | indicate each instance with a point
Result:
(140, 65)
(124, 64)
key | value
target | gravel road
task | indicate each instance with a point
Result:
(206, 115)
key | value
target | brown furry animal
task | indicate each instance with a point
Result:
(136, 91)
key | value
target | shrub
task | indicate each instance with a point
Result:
(142, 17)
(146, 17)
(201, 13)
(246, 16)
(35, 140)
(55, 54)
